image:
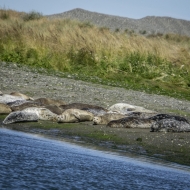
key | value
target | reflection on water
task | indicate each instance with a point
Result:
(31, 162)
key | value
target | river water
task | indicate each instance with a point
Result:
(32, 162)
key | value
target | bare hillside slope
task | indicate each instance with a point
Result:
(146, 25)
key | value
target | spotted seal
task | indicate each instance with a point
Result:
(6, 98)
(74, 115)
(156, 122)
(124, 108)
(96, 110)
(55, 109)
(16, 103)
(42, 113)
(159, 117)
(170, 125)
(131, 122)
(48, 101)
(20, 116)
(106, 118)
(40, 102)
(27, 104)
(21, 95)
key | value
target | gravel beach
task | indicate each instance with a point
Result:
(169, 146)
(35, 84)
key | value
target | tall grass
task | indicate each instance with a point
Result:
(159, 64)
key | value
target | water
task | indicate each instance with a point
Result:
(32, 162)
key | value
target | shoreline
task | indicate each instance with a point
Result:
(118, 152)
(173, 148)
(167, 146)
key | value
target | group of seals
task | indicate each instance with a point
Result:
(157, 123)
(20, 108)
(23, 108)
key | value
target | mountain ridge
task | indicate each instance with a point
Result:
(148, 24)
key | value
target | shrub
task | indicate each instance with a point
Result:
(86, 25)
(33, 15)
(4, 15)
(117, 30)
(142, 31)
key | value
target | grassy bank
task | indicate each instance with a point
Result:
(156, 64)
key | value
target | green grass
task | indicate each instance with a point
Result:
(157, 64)
(181, 156)
(102, 136)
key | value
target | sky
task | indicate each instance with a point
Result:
(126, 8)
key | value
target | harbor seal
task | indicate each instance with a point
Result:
(6, 98)
(124, 108)
(130, 122)
(159, 117)
(96, 110)
(24, 105)
(55, 109)
(48, 101)
(74, 115)
(16, 103)
(20, 116)
(42, 113)
(170, 125)
(21, 95)
(106, 118)
(5, 109)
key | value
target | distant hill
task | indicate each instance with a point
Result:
(146, 25)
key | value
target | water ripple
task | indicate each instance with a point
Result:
(30, 162)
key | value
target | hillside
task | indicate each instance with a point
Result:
(146, 25)
(156, 64)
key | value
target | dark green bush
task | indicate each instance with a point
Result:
(33, 15)
(4, 15)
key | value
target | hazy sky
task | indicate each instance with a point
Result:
(126, 8)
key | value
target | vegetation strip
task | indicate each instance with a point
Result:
(157, 64)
